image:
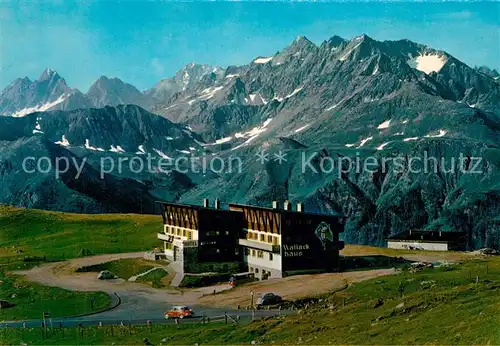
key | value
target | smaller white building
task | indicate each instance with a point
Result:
(428, 240)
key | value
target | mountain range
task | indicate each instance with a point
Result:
(358, 99)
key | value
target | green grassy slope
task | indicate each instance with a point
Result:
(32, 300)
(454, 305)
(123, 268)
(28, 232)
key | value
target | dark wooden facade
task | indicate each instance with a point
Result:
(302, 245)
(181, 215)
(259, 219)
(218, 230)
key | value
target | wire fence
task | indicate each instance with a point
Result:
(59, 330)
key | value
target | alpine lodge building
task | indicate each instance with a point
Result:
(268, 242)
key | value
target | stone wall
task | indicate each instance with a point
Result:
(154, 256)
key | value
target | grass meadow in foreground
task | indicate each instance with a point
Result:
(32, 300)
(455, 304)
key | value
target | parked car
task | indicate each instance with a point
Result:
(268, 299)
(179, 312)
(106, 275)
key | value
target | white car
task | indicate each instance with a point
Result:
(105, 275)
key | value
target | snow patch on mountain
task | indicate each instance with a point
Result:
(38, 128)
(346, 54)
(382, 146)
(141, 150)
(64, 142)
(185, 80)
(334, 106)
(117, 149)
(441, 133)
(257, 99)
(301, 128)
(296, 91)
(162, 154)
(427, 63)
(363, 141)
(210, 92)
(409, 139)
(219, 141)
(89, 147)
(252, 134)
(39, 108)
(262, 60)
(384, 125)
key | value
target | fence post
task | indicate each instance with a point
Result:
(225, 317)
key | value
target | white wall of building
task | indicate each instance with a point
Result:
(264, 262)
(394, 244)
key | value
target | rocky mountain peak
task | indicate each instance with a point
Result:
(48, 74)
(301, 43)
(335, 41)
(113, 91)
(104, 81)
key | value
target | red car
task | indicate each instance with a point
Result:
(179, 312)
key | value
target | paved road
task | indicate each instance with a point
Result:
(137, 307)
(139, 302)
(90, 321)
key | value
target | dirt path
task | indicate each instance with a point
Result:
(293, 287)
(63, 275)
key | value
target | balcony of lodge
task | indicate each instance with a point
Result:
(260, 245)
(171, 239)
(166, 237)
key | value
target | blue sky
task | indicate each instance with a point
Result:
(142, 42)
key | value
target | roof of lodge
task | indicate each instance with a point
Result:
(435, 236)
(192, 206)
(281, 210)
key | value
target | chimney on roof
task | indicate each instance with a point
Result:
(287, 206)
(300, 207)
(206, 203)
(217, 204)
(276, 205)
